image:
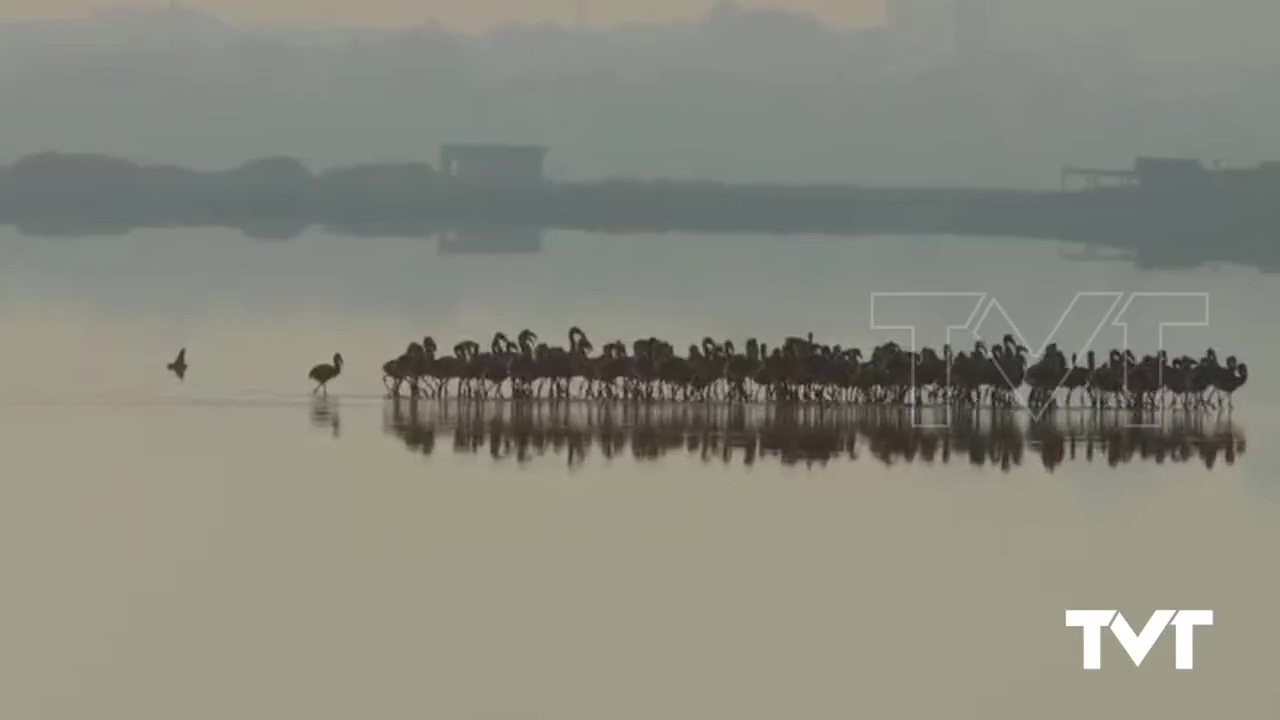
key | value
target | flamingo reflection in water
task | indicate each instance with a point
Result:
(809, 436)
(324, 414)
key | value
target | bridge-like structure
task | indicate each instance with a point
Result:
(1095, 178)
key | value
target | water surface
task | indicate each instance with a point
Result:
(231, 546)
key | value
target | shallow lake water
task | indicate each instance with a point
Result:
(233, 546)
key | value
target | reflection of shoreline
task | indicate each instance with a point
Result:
(491, 240)
(1168, 249)
(809, 436)
(466, 239)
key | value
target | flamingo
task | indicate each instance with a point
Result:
(803, 370)
(324, 372)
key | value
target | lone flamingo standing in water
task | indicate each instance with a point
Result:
(324, 372)
(179, 365)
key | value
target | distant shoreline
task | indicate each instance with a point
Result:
(70, 194)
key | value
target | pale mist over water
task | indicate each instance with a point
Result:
(226, 547)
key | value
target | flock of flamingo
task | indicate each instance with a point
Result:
(803, 370)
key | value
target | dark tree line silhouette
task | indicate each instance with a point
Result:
(53, 193)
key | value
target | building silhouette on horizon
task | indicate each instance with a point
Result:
(490, 163)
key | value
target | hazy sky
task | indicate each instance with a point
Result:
(460, 14)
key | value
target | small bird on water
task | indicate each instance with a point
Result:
(324, 372)
(179, 365)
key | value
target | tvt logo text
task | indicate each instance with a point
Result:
(1139, 644)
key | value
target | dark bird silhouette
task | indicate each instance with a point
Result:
(802, 370)
(324, 372)
(179, 365)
